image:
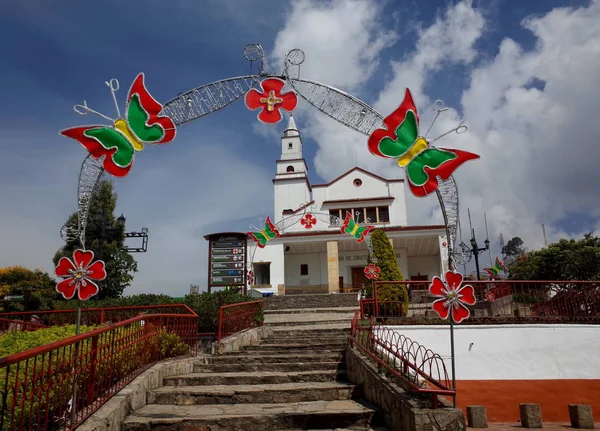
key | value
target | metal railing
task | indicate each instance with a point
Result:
(89, 316)
(237, 317)
(59, 385)
(419, 370)
(501, 301)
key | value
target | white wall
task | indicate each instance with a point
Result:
(348, 259)
(314, 262)
(426, 265)
(514, 352)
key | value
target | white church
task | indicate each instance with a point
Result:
(321, 259)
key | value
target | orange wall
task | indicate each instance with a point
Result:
(502, 397)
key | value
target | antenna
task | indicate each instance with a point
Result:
(545, 239)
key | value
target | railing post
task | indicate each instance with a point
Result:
(92, 378)
(102, 316)
(219, 330)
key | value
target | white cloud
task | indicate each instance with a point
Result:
(537, 143)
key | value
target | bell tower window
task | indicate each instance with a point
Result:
(289, 169)
(290, 146)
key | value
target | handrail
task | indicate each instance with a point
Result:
(84, 310)
(406, 353)
(16, 357)
(68, 380)
(234, 318)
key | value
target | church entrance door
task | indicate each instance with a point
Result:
(359, 279)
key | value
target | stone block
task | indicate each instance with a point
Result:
(581, 416)
(477, 417)
(531, 415)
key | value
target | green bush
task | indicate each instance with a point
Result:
(207, 305)
(126, 301)
(386, 260)
(18, 341)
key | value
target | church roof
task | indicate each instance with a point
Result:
(398, 180)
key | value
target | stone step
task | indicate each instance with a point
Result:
(294, 338)
(308, 319)
(258, 350)
(284, 366)
(244, 394)
(311, 331)
(315, 345)
(250, 417)
(270, 358)
(255, 378)
(313, 310)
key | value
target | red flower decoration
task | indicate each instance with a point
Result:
(308, 221)
(271, 100)
(490, 297)
(372, 271)
(250, 278)
(78, 275)
(452, 296)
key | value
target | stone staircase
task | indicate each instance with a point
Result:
(294, 380)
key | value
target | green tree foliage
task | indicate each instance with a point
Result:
(512, 250)
(36, 286)
(106, 238)
(564, 260)
(386, 260)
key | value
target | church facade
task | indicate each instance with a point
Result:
(319, 258)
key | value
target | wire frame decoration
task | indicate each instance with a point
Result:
(428, 169)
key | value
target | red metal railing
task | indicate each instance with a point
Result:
(59, 385)
(237, 317)
(506, 300)
(92, 316)
(420, 370)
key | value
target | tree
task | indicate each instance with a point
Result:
(106, 239)
(564, 260)
(513, 250)
(36, 286)
(386, 260)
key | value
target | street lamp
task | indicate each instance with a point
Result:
(476, 250)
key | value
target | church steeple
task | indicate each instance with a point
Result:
(291, 143)
(292, 188)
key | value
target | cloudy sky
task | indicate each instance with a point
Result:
(523, 75)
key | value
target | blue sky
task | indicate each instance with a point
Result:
(521, 74)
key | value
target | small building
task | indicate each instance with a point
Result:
(320, 258)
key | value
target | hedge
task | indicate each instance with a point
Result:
(206, 305)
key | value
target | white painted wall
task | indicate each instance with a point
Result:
(514, 352)
(426, 265)
(315, 268)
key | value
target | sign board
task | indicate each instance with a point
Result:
(194, 289)
(227, 259)
(12, 298)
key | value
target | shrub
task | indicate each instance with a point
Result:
(386, 260)
(206, 305)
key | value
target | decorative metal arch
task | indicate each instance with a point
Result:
(206, 99)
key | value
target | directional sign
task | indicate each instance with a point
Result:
(11, 298)
(227, 259)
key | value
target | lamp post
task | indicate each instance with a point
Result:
(476, 250)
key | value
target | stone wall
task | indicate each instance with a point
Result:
(401, 412)
(247, 337)
(312, 301)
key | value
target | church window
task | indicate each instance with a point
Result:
(333, 216)
(289, 169)
(371, 214)
(304, 269)
(357, 182)
(359, 215)
(290, 146)
(384, 215)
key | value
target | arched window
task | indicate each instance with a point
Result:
(289, 169)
